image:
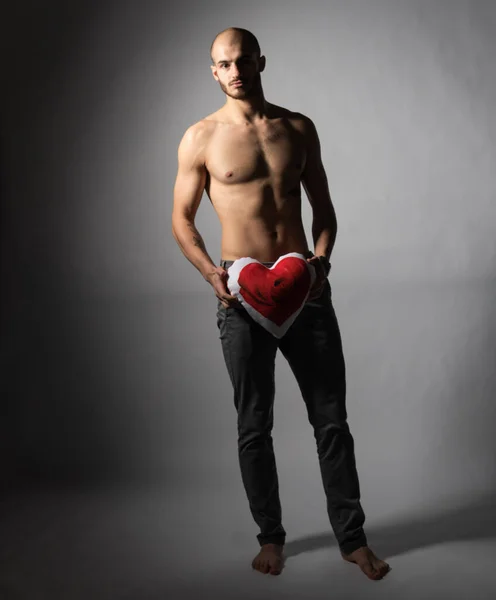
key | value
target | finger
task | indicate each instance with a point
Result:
(231, 300)
(319, 268)
(315, 293)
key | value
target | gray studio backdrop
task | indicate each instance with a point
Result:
(111, 363)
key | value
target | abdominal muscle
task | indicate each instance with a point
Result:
(253, 238)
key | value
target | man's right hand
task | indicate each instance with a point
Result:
(218, 280)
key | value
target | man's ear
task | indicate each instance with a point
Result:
(261, 62)
(213, 68)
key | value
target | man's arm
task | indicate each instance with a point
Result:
(188, 191)
(315, 184)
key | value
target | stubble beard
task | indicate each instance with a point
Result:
(250, 90)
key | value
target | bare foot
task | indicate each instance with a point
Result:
(372, 566)
(269, 559)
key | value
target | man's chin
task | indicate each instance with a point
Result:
(240, 92)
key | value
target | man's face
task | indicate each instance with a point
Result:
(237, 62)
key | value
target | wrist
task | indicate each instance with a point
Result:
(209, 275)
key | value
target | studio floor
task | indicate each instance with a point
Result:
(156, 543)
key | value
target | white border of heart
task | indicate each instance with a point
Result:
(234, 288)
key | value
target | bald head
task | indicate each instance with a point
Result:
(233, 35)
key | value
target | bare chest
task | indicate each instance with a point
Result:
(239, 155)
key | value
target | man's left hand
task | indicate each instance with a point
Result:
(320, 279)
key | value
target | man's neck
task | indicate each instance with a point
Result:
(247, 111)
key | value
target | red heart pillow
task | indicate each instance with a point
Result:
(273, 296)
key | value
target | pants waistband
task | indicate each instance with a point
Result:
(225, 264)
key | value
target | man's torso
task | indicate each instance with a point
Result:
(253, 182)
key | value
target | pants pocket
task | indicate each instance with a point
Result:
(221, 316)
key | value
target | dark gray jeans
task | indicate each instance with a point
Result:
(312, 347)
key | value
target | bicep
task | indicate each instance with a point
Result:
(314, 177)
(191, 177)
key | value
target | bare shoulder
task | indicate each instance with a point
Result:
(303, 123)
(298, 120)
(198, 133)
(195, 140)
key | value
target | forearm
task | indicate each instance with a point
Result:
(192, 246)
(324, 230)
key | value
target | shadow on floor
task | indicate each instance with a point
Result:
(476, 520)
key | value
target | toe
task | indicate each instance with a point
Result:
(370, 571)
(382, 567)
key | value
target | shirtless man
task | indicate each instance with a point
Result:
(250, 157)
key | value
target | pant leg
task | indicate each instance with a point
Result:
(313, 349)
(249, 353)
